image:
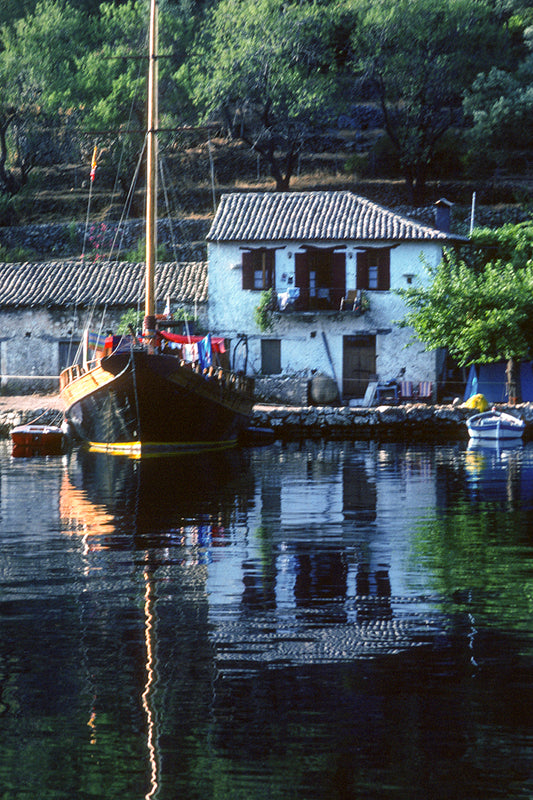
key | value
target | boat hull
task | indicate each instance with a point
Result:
(495, 426)
(137, 403)
(37, 440)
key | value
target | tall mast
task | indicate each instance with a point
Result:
(151, 180)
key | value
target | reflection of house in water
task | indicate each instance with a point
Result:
(359, 489)
(303, 562)
(322, 572)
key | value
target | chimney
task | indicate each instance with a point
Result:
(443, 209)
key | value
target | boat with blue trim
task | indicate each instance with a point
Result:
(495, 425)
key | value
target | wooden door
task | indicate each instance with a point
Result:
(358, 364)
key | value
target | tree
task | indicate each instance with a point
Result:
(38, 62)
(480, 312)
(69, 79)
(499, 106)
(415, 58)
(112, 79)
(265, 68)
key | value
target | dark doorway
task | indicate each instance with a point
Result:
(68, 354)
(358, 364)
(271, 356)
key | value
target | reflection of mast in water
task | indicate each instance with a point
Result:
(158, 511)
(91, 520)
(149, 686)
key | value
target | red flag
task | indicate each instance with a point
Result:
(93, 164)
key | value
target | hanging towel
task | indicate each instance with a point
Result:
(204, 352)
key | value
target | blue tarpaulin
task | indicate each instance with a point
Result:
(490, 381)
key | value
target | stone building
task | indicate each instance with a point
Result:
(45, 309)
(333, 261)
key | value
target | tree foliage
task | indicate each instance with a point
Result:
(480, 312)
(265, 66)
(500, 107)
(272, 72)
(63, 71)
(38, 62)
(417, 56)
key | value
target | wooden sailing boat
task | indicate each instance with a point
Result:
(137, 399)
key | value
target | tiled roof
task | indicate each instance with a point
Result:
(114, 283)
(312, 216)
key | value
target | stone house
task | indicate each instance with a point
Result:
(45, 308)
(333, 261)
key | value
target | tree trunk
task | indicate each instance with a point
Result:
(7, 182)
(512, 374)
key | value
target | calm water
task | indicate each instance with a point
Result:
(339, 620)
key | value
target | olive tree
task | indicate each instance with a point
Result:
(39, 55)
(415, 58)
(478, 303)
(265, 68)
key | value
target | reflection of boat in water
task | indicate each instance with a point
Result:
(160, 518)
(495, 425)
(493, 469)
(495, 447)
(112, 495)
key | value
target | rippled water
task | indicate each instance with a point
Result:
(336, 620)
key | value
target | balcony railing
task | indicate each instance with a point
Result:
(295, 299)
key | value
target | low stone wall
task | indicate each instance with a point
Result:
(278, 389)
(65, 239)
(416, 421)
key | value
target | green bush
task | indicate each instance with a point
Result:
(16, 255)
(138, 253)
(263, 312)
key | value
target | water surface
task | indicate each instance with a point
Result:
(316, 620)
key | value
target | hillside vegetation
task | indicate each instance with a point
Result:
(194, 181)
(403, 101)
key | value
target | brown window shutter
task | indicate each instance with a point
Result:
(270, 262)
(362, 271)
(338, 278)
(301, 272)
(384, 269)
(247, 270)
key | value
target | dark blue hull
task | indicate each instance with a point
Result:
(149, 403)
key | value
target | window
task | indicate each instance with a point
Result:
(312, 283)
(373, 269)
(258, 269)
(373, 277)
(320, 275)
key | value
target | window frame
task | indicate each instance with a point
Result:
(378, 259)
(256, 262)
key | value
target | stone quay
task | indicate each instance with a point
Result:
(404, 422)
(415, 421)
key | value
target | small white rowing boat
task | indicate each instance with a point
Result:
(495, 425)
